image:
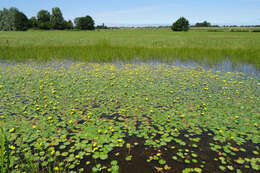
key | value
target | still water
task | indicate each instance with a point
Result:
(223, 66)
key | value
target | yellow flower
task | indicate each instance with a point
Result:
(12, 147)
(49, 118)
(34, 126)
(2, 117)
(11, 130)
(56, 169)
(52, 152)
(120, 140)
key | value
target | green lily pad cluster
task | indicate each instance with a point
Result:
(87, 117)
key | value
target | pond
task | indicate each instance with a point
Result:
(143, 117)
(223, 66)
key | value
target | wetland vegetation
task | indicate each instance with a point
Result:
(132, 44)
(92, 117)
(118, 100)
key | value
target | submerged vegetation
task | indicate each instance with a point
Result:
(131, 44)
(84, 117)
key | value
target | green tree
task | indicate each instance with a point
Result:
(43, 19)
(203, 24)
(33, 22)
(13, 20)
(181, 24)
(21, 21)
(68, 24)
(84, 23)
(56, 19)
(103, 26)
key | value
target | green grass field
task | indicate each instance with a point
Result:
(128, 44)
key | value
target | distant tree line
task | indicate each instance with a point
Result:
(203, 24)
(14, 20)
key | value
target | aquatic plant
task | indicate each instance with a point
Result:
(92, 117)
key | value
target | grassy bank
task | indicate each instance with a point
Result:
(128, 44)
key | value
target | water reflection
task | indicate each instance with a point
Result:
(223, 66)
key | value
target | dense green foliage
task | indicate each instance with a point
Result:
(85, 117)
(68, 24)
(57, 20)
(181, 24)
(203, 24)
(85, 23)
(13, 20)
(43, 19)
(130, 44)
(103, 26)
(33, 22)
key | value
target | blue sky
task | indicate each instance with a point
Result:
(144, 12)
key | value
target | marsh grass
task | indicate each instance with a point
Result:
(131, 44)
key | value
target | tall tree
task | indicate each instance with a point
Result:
(21, 21)
(56, 19)
(13, 20)
(181, 24)
(84, 23)
(43, 19)
(33, 22)
(68, 24)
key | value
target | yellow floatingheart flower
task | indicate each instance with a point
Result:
(12, 147)
(52, 152)
(120, 140)
(11, 130)
(56, 169)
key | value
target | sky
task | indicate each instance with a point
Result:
(147, 12)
